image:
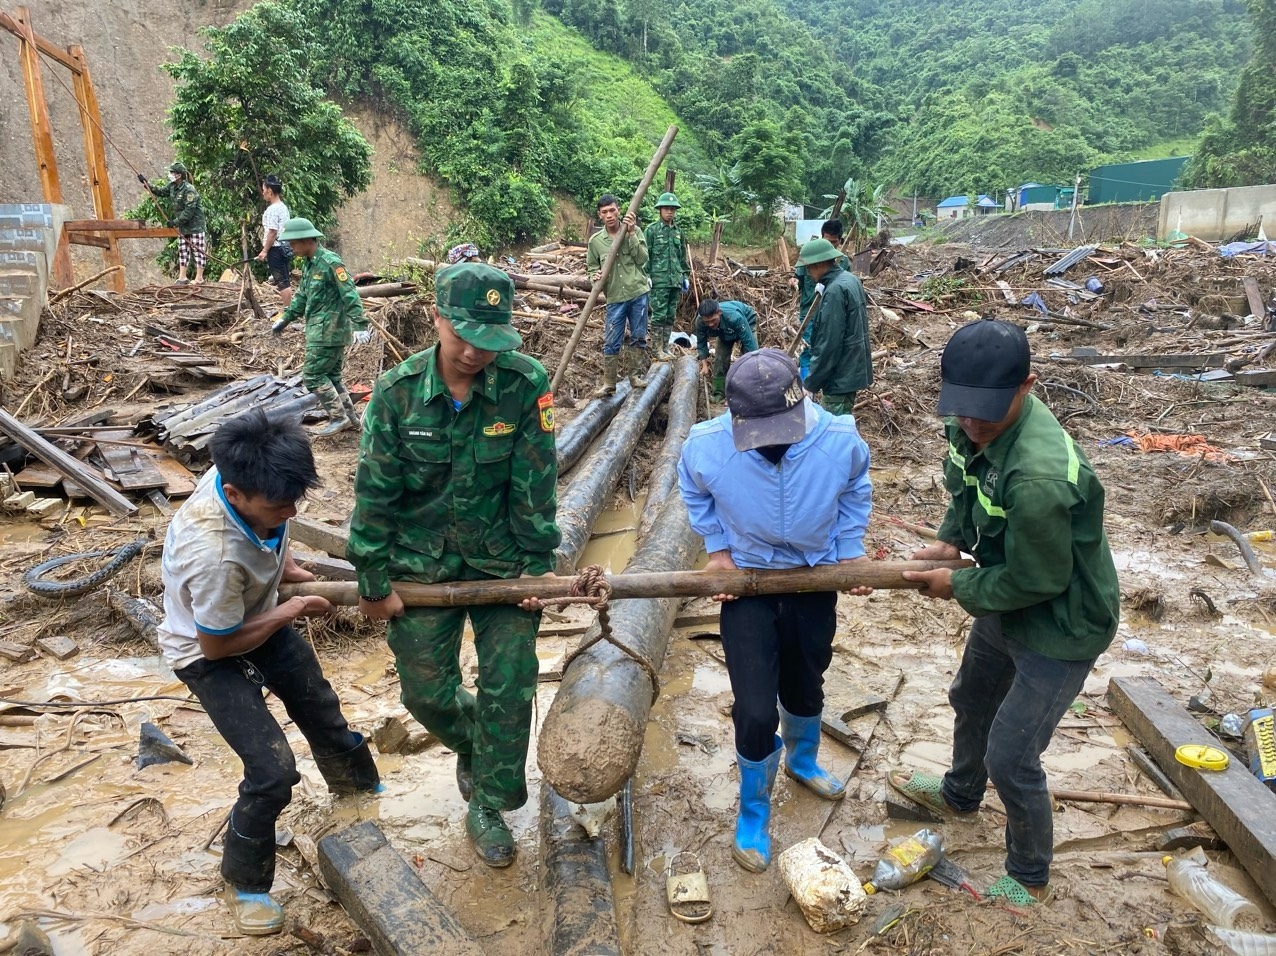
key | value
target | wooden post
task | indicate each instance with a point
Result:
(661, 151)
(784, 253)
(95, 157)
(670, 175)
(836, 211)
(714, 243)
(42, 137)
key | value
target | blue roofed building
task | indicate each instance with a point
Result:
(954, 207)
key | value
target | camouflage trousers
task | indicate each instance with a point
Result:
(493, 728)
(839, 404)
(321, 374)
(664, 307)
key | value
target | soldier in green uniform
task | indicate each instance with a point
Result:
(329, 304)
(669, 270)
(805, 286)
(187, 218)
(841, 348)
(456, 482)
(729, 322)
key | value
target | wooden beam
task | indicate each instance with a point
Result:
(95, 158)
(1254, 295)
(1233, 801)
(44, 46)
(87, 239)
(69, 467)
(104, 225)
(385, 897)
(1259, 378)
(330, 539)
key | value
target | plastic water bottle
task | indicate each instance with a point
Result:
(1244, 944)
(907, 862)
(1224, 907)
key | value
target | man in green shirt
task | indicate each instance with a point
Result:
(669, 269)
(626, 291)
(805, 286)
(729, 322)
(329, 304)
(1028, 506)
(841, 347)
(187, 218)
(456, 482)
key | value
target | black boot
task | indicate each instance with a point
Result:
(350, 772)
(247, 862)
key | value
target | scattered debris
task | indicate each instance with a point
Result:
(155, 747)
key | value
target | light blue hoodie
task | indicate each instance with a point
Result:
(812, 508)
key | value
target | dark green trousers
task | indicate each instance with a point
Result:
(839, 404)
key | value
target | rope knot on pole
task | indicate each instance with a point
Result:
(590, 586)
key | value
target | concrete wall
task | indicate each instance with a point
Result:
(1217, 214)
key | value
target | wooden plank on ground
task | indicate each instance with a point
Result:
(131, 467)
(1233, 801)
(1260, 378)
(38, 475)
(846, 701)
(92, 483)
(1254, 295)
(1180, 360)
(334, 569)
(385, 897)
(178, 481)
(327, 538)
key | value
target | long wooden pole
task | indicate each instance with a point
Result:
(884, 575)
(661, 151)
(95, 157)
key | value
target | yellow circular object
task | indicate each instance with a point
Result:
(1202, 757)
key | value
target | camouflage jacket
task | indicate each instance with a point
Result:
(327, 300)
(666, 255)
(433, 481)
(188, 214)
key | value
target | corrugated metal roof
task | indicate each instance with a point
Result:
(1070, 260)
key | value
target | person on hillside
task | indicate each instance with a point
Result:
(276, 254)
(776, 482)
(187, 218)
(1028, 506)
(456, 482)
(805, 286)
(228, 638)
(329, 304)
(669, 270)
(625, 289)
(731, 323)
(841, 348)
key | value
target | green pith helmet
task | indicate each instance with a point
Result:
(668, 199)
(477, 299)
(179, 168)
(299, 229)
(817, 250)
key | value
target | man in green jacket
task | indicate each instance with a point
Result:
(626, 291)
(188, 218)
(841, 348)
(456, 482)
(729, 322)
(805, 286)
(329, 304)
(669, 269)
(1028, 506)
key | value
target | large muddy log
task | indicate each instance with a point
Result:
(558, 280)
(580, 505)
(683, 408)
(592, 736)
(578, 434)
(641, 581)
(581, 917)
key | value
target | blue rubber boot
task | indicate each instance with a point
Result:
(802, 744)
(752, 847)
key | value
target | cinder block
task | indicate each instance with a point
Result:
(20, 502)
(43, 507)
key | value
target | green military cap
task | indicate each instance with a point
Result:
(817, 250)
(179, 168)
(478, 300)
(299, 229)
(668, 199)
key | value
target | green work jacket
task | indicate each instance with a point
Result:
(1030, 509)
(628, 277)
(328, 300)
(666, 255)
(188, 213)
(841, 348)
(736, 325)
(806, 290)
(433, 483)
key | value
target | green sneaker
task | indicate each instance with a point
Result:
(492, 839)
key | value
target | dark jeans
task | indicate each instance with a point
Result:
(777, 645)
(279, 261)
(230, 690)
(1008, 701)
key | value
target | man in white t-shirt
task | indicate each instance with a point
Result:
(277, 255)
(227, 637)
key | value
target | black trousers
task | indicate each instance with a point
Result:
(777, 646)
(230, 690)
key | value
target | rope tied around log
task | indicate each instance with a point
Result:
(590, 586)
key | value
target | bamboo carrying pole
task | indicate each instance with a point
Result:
(883, 575)
(661, 151)
(815, 307)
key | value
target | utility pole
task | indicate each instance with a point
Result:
(1076, 198)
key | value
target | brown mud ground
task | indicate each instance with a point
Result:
(119, 861)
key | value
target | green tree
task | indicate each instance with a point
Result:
(768, 162)
(863, 206)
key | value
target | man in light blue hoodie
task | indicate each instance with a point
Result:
(776, 482)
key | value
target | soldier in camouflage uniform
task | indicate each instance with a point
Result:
(329, 303)
(669, 270)
(187, 218)
(456, 482)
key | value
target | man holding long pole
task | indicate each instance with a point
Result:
(625, 288)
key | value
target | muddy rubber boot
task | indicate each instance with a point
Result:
(248, 867)
(351, 772)
(334, 427)
(611, 372)
(801, 746)
(661, 334)
(752, 846)
(489, 835)
(347, 406)
(254, 914)
(719, 387)
(636, 379)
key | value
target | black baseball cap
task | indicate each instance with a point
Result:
(764, 394)
(983, 365)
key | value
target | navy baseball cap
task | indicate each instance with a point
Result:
(764, 393)
(982, 366)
